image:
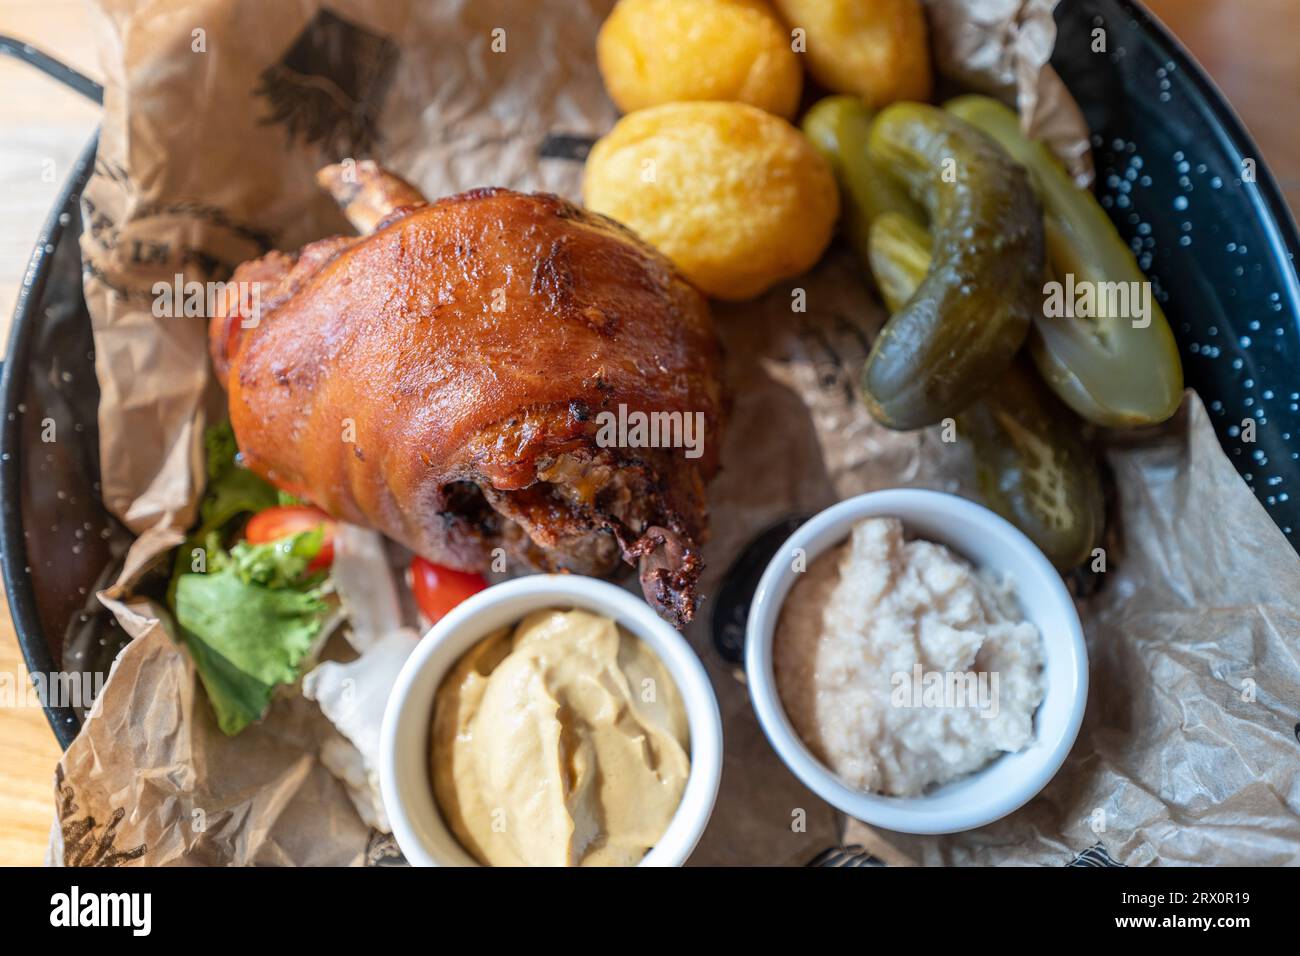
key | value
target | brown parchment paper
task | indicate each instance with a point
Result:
(216, 116)
(1002, 48)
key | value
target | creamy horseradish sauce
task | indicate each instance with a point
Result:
(901, 666)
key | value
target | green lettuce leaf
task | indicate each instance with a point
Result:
(249, 621)
(231, 490)
(276, 564)
(248, 615)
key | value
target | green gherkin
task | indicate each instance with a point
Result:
(972, 311)
(1032, 464)
(840, 128)
(1109, 368)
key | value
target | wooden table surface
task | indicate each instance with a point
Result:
(1248, 46)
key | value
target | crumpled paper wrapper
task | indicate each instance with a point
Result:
(1187, 750)
(216, 116)
(1002, 48)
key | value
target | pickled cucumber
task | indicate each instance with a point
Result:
(840, 128)
(1032, 466)
(1112, 368)
(971, 313)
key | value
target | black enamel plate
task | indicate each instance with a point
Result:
(1188, 189)
(1177, 172)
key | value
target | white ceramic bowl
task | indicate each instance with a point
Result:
(987, 541)
(405, 750)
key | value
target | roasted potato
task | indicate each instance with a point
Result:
(665, 51)
(738, 198)
(876, 49)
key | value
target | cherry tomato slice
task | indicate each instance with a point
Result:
(281, 522)
(437, 589)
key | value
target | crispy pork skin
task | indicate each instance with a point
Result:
(441, 379)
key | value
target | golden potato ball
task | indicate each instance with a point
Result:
(664, 51)
(876, 49)
(738, 198)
